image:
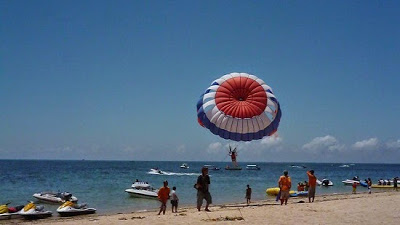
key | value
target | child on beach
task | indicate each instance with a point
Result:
(174, 200)
(163, 195)
(248, 194)
(354, 187)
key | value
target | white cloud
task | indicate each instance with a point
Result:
(271, 141)
(393, 144)
(214, 147)
(327, 142)
(366, 144)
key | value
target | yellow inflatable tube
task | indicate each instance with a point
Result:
(274, 191)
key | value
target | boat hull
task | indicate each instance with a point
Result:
(142, 193)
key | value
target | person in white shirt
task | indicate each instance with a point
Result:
(174, 200)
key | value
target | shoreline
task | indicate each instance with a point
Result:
(360, 208)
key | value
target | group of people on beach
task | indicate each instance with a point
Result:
(203, 193)
(284, 182)
(164, 193)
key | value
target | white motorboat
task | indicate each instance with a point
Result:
(324, 182)
(252, 167)
(73, 209)
(53, 197)
(142, 190)
(184, 166)
(344, 166)
(350, 182)
(355, 180)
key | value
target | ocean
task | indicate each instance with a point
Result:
(102, 184)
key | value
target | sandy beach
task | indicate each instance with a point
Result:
(362, 208)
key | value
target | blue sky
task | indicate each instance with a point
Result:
(119, 80)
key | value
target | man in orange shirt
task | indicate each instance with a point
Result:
(312, 182)
(285, 184)
(163, 195)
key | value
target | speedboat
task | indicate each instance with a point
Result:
(73, 209)
(53, 197)
(184, 166)
(252, 167)
(212, 167)
(355, 180)
(344, 166)
(31, 211)
(325, 182)
(141, 189)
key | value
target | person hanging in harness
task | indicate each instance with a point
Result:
(233, 154)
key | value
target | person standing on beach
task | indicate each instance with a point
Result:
(285, 184)
(202, 186)
(312, 184)
(395, 183)
(163, 195)
(354, 185)
(369, 183)
(248, 194)
(174, 200)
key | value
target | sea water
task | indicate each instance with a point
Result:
(102, 184)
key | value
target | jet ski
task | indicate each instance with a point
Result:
(31, 211)
(156, 171)
(52, 197)
(69, 208)
(325, 182)
(7, 212)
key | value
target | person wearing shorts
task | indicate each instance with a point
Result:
(202, 186)
(285, 184)
(312, 183)
(163, 196)
(174, 200)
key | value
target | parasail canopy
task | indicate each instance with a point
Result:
(239, 107)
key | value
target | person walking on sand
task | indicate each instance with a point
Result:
(163, 195)
(285, 184)
(312, 184)
(395, 183)
(354, 185)
(248, 194)
(202, 186)
(174, 200)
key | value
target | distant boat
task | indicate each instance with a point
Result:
(233, 168)
(211, 167)
(252, 167)
(184, 166)
(298, 166)
(344, 166)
